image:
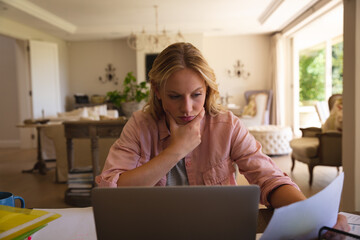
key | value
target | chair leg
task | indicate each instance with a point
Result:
(311, 169)
(293, 163)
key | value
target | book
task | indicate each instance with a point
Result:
(19, 223)
(87, 169)
(83, 176)
(78, 192)
(80, 175)
(80, 185)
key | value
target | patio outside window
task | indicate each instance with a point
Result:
(320, 76)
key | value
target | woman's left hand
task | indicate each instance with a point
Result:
(342, 225)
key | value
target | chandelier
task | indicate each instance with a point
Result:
(152, 41)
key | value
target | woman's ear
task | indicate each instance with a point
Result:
(156, 91)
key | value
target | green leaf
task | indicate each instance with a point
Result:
(131, 91)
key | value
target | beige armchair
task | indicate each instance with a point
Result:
(316, 147)
(262, 104)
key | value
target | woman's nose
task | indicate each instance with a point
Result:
(186, 106)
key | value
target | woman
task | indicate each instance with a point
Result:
(184, 137)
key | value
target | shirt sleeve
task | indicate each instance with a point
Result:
(257, 167)
(124, 155)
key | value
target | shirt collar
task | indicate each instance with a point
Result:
(163, 130)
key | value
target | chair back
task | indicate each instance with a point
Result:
(333, 99)
(266, 117)
(322, 111)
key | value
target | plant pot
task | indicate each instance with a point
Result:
(129, 107)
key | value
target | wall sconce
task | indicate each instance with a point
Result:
(238, 71)
(110, 75)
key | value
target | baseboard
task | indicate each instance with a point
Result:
(9, 143)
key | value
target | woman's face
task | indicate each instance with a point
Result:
(183, 95)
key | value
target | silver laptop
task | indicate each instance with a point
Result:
(181, 212)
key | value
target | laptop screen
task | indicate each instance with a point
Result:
(181, 212)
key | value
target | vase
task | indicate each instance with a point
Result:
(129, 107)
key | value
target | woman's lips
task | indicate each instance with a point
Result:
(187, 119)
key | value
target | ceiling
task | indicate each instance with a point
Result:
(107, 19)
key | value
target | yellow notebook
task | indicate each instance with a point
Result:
(15, 222)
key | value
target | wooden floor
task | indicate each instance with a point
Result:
(38, 191)
(41, 191)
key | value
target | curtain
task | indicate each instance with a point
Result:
(277, 79)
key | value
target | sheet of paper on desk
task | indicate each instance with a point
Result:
(354, 222)
(302, 220)
(74, 223)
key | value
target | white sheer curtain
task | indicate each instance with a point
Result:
(277, 79)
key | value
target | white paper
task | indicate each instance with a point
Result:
(74, 223)
(302, 220)
(354, 222)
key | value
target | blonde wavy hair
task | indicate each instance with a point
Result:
(174, 58)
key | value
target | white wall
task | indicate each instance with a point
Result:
(9, 116)
(252, 50)
(88, 60)
(195, 39)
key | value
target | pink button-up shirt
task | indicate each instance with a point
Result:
(224, 141)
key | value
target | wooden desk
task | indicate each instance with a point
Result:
(75, 223)
(92, 130)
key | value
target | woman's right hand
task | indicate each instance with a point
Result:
(185, 138)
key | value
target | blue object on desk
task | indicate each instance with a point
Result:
(8, 199)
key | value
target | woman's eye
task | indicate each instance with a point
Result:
(174, 96)
(197, 94)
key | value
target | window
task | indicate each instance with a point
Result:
(337, 67)
(312, 75)
(316, 82)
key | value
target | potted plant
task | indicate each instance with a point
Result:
(132, 97)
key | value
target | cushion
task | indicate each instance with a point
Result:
(306, 146)
(80, 112)
(99, 110)
(86, 113)
(250, 108)
(334, 121)
(92, 115)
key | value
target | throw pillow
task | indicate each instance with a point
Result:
(250, 108)
(92, 115)
(334, 121)
(95, 112)
(80, 112)
(99, 109)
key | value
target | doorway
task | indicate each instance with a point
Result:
(30, 85)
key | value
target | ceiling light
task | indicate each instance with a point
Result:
(152, 42)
